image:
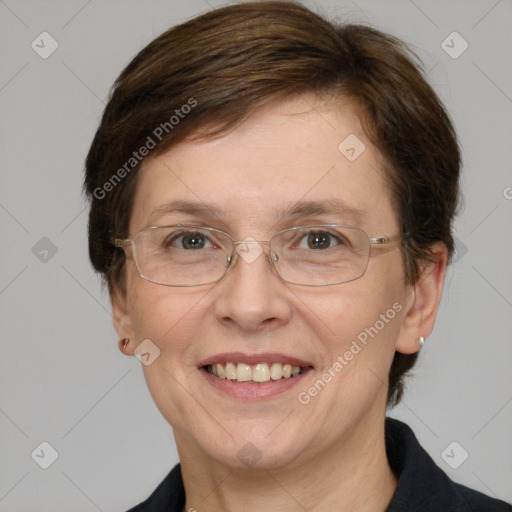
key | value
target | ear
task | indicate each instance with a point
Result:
(122, 321)
(423, 302)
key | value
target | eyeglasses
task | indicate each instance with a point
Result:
(188, 255)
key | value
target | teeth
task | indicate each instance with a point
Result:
(243, 372)
(230, 371)
(276, 371)
(261, 372)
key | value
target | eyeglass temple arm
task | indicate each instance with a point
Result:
(119, 242)
(382, 240)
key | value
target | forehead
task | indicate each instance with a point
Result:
(287, 154)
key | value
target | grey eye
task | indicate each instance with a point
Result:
(189, 240)
(319, 240)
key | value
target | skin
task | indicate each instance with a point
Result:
(285, 152)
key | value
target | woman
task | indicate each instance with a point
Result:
(271, 207)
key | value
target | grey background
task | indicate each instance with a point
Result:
(62, 378)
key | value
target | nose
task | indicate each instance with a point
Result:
(251, 295)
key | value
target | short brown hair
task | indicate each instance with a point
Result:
(228, 62)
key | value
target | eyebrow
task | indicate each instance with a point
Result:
(294, 211)
(325, 207)
(199, 209)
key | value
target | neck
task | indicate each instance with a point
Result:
(353, 476)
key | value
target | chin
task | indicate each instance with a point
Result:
(256, 447)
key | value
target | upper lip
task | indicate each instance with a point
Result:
(240, 357)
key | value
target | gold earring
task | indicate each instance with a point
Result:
(124, 342)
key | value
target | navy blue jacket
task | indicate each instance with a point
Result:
(422, 486)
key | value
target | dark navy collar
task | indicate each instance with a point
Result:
(422, 485)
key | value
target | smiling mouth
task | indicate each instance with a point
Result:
(255, 373)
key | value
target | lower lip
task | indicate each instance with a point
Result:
(253, 390)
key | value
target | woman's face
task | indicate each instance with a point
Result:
(344, 336)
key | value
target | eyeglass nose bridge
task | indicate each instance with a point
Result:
(250, 256)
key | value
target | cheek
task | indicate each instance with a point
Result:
(351, 314)
(171, 320)
(355, 327)
(164, 315)
(358, 322)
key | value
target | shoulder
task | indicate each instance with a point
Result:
(422, 485)
(169, 496)
(478, 502)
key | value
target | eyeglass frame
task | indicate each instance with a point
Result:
(124, 243)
